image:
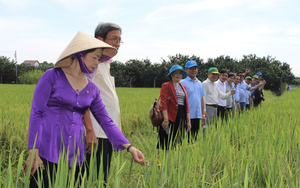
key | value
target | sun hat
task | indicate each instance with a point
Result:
(248, 77)
(255, 76)
(259, 74)
(82, 42)
(213, 70)
(174, 68)
(191, 63)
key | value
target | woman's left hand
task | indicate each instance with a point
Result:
(138, 156)
(189, 126)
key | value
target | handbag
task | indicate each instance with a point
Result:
(155, 114)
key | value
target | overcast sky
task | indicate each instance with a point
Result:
(41, 29)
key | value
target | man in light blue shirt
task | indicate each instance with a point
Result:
(243, 87)
(195, 93)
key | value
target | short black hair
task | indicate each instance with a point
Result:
(223, 71)
(238, 73)
(231, 74)
(103, 28)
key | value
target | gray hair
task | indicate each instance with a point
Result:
(104, 27)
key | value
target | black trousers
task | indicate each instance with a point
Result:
(51, 168)
(248, 106)
(176, 130)
(195, 123)
(221, 111)
(228, 113)
(104, 151)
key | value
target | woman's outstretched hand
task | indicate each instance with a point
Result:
(138, 156)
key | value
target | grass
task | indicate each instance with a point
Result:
(260, 148)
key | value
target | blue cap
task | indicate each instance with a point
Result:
(174, 68)
(259, 74)
(191, 63)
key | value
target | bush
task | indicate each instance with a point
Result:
(31, 77)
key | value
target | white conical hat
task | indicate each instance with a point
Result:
(80, 43)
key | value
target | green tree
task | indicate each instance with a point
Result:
(31, 77)
(7, 70)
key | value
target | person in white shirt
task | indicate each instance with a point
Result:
(230, 102)
(222, 86)
(110, 33)
(237, 94)
(212, 93)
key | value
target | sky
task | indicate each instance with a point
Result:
(41, 29)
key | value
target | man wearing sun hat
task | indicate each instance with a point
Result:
(195, 93)
(109, 33)
(212, 94)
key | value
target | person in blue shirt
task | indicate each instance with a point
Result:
(243, 87)
(257, 94)
(248, 81)
(195, 94)
(259, 74)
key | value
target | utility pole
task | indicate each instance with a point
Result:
(16, 67)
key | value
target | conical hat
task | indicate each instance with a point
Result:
(82, 42)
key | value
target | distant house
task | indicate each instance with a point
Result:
(34, 63)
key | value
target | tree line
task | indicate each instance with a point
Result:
(144, 73)
(11, 72)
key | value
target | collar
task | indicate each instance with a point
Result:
(220, 82)
(190, 79)
(208, 80)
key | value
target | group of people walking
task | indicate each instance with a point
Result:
(75, 106)
(186, 101)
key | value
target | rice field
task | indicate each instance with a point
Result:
(259, 148)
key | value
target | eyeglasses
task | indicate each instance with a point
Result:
(116, 41)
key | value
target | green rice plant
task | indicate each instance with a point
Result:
(259, 148)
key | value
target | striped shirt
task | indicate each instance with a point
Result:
(180, 94)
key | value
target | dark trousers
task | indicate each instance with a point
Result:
(103, 154)
(176, 131)
(229, 113)
(243, 104)
(248, 106)
(257, 101)
(221, 111)
(195, 123)
(51, 168)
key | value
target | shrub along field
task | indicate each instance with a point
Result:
(259, 148)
